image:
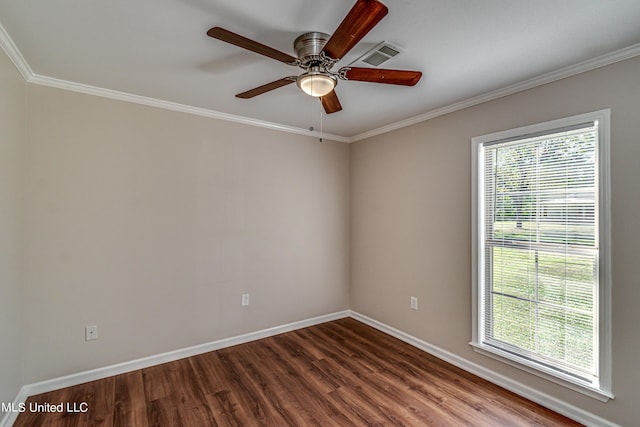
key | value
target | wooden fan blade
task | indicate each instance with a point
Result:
(363, 16)
(379, 75)
(331, 103)
(266, 88)
(252, 45)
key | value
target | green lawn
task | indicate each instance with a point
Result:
(545, 307)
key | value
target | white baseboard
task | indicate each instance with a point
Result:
(540, 398)
(145, 362)
(543, 399)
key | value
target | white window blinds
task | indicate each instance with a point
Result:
(540, 250)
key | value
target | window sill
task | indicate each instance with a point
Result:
(596, 393)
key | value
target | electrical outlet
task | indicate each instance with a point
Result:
(91, 333)
(414, 303)
(245, 300)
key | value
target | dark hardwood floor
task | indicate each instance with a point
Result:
(341, 373)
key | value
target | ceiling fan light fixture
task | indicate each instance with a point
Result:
(318, 53)
(316, 83)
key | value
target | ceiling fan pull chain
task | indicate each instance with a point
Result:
(320, 125)
(311, 104)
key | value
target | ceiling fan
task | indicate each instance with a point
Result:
(318, 53)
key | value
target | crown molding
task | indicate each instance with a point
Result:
(591, 64)
(6, 43)
(14, 54)
(174, 106)
(572, 70)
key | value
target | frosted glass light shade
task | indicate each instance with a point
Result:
(316, 84)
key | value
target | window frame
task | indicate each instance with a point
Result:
(602, 391)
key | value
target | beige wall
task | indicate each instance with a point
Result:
(411, 223)
(12, 114)
(152, 223)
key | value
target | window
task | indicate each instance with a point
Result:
(541, 283)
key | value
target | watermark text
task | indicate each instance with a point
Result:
(68, 407)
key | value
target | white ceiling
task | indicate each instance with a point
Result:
(159, 49)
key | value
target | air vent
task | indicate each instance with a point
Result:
(379, 54)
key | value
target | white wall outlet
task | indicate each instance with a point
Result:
(245, 300)
(91, 333)
(414, 303)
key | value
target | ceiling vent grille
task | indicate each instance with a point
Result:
(379, 54)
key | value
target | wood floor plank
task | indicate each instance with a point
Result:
(340, 373)
(225, 406)
(130, 406)
(100, 409)
(227, 409)
(261, 408)
(398, 364)
(292, 385)
(319, 380)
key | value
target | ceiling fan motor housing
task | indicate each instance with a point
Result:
(317, 81)
(308, 47)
